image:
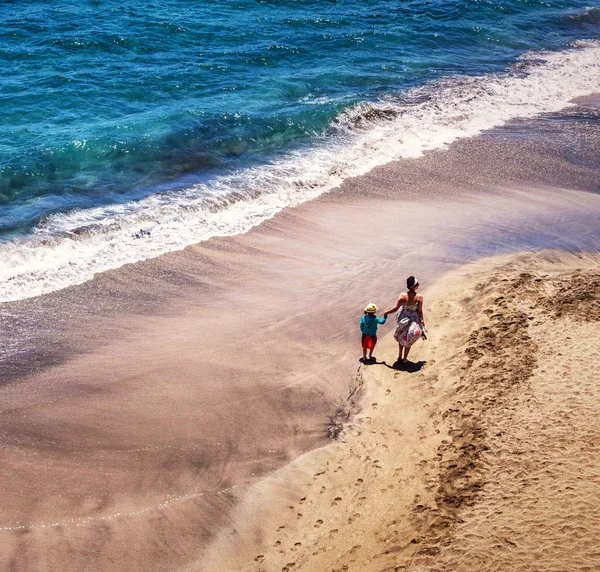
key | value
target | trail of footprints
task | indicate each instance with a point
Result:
(359, 501)
(317, 524)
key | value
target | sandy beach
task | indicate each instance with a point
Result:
(178, 413)
(479, 455)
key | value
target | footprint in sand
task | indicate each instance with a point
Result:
(259, 558)
(318, 523)
(334, 531)
(358, 482)
(302, 500)
(281, 528)
(388, 391)
(278, 543)
(374, 405)
(323, 489)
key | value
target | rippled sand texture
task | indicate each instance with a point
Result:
(482, 455)
(538, 470)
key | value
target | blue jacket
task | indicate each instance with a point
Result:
(369, 323)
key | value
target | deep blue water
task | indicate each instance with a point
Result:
(106, 102)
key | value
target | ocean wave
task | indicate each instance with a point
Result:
(69, 248)
(324, 100)
(590, 15)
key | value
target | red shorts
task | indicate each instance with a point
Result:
(368, 342)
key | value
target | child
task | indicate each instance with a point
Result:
(368, 326)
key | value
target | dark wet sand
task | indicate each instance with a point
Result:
(135, 408)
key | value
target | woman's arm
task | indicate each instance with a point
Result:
(395, 308)
(420, 307)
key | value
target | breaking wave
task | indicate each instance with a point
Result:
(69, 248)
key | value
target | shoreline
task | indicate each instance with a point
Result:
(406, 486)
(210, 368)
(69, 245)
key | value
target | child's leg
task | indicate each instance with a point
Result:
(364, 346)
(372, 347)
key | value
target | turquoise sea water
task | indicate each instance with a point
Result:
(118, 113)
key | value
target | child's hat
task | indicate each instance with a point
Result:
(371, 308)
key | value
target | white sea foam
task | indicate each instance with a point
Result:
(310, 100)
(70, 248)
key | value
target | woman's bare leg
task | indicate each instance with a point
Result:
(406, 350)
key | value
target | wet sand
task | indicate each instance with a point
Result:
(478, 455)
(139, 408)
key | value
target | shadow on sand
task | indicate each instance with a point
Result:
(410, 366)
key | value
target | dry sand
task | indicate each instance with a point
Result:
(482, 455)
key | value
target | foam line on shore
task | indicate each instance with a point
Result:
(70, 248)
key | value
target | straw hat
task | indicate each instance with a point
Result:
(371, 308)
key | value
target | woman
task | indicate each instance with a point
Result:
(410, 319)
